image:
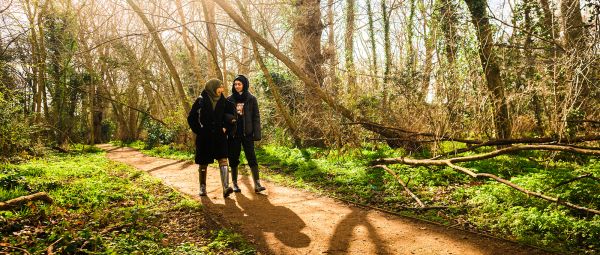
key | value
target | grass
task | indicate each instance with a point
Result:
(104, 207)
(476, 204)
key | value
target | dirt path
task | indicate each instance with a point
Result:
(290, 221)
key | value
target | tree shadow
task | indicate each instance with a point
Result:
(186, 163)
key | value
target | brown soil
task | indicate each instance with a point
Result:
(285, 220)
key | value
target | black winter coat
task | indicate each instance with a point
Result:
(251, 119)
(208, 124)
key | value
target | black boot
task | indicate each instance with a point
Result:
(257, 187)
(234, 175)
(225, 181)
(202, 178)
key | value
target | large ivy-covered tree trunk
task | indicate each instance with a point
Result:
(490, 66)
(306, 49)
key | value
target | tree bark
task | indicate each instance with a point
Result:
(190, 47)
(429, 35)
(209, 15)
(374, 69)
(331, 52)
(387, 48)
(530, 73)
(490, 67)
(572, 23)
(349, 48)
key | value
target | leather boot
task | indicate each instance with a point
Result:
(224, 171)
(234, 175)
(257, 187)
(202, 179)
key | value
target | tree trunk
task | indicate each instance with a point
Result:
(374, 71)
(349, 48)
(165, 56)
(429, 49)
(306, 49)
(572, 23)
(410, 50)
(490, 67)
(530, 73)
(208, 8)
(244, 67)
(190, 48)
(331, 52)
(448, 9)
(387, 55)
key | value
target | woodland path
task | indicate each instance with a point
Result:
(285, 220)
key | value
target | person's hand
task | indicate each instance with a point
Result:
(233, 121)
(224, 130)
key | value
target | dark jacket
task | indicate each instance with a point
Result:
(208, 124)
(251, 118)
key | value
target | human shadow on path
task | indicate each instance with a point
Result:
(186, 164)
(257, 217)
(342, 236)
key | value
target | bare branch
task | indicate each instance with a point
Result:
(390, 171)
(450, 163)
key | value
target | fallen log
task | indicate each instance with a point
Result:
(41, 196)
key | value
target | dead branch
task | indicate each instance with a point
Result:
(50, 249)
(589, 175)
(439, 162)
(450, 163)
(390, 171)
(7, 205)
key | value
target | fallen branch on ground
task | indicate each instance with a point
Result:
(43, 196)
(589, 175)
(390, 171)
(450, 163)
(527, 141)
(440, 162)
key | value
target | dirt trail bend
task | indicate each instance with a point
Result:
(290, 221)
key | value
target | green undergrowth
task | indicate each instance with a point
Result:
(482, 205)
(103, 207)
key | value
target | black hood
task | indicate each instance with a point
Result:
(246, 85)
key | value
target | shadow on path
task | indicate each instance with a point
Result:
(258, 217)
(345, 232)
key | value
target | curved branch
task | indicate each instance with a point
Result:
(545, 147)
(450, 163)
(523, 190)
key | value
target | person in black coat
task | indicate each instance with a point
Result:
(210, 117)
(246, 130)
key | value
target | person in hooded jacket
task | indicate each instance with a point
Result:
(210, 117)
(246, 130)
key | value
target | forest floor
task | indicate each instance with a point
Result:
(286, 220)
